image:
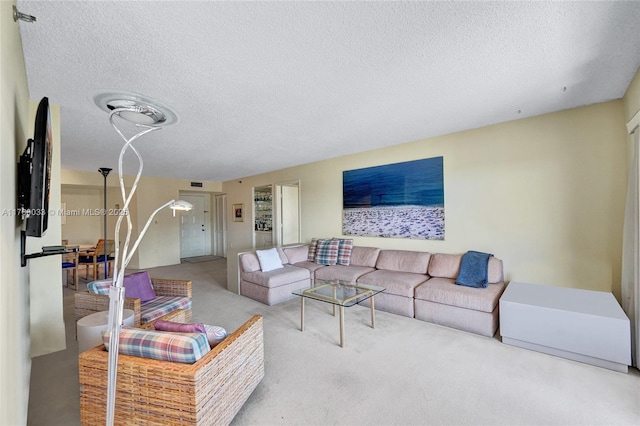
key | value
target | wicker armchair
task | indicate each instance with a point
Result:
(88, 303)
(209, 392)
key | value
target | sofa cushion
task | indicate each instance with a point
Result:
(269, 259)
(403, 261)
(100, 286)
(138, 286)
(364, 256)
(179, 327)
(310, 266)
(445, 291)
(161, 345)
(341, 272)
(249, 262)
(345, 247)
(215, 334)
(327, 252)
(495, 274)
(444, 265)
(288, 274)
(162, 305)
(313, 247)
(394, 282)
(296, 254)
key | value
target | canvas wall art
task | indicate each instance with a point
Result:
(401, 200)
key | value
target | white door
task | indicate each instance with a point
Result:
(220, 226)
(193, 228)
(289, 213)
(290, 222)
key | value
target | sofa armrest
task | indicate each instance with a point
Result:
(88, 303)
(215, 386)
(168, 287)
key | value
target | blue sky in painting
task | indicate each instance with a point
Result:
(412, 183)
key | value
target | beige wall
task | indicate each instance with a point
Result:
(82, 228)
(632, 97)
(30, 297)
(161, 244)
(545, 194)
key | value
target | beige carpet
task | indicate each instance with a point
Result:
(403, 372)
(200, 259)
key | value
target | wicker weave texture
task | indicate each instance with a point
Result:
(151, 392)
(88, 303)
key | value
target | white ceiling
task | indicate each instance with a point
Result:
(260, 86)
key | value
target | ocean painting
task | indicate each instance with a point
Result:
(401, 200)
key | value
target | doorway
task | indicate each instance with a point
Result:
(195, 236)
(220, 226)
(288, 212)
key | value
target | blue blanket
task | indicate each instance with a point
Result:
(474, 269)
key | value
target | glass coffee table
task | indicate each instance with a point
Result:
(339, 293)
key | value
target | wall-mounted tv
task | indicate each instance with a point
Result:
(34, 174)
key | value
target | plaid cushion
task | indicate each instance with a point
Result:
(313, 246)
(162, 345)
(327, 252)
(162, 305)
(345, 246)
(100, 286)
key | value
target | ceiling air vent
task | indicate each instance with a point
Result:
(196, 184)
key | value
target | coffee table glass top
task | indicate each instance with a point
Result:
(337, 292)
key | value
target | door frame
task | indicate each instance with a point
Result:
(277, 209)
(208, 218)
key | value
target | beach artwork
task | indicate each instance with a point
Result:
(401, 200)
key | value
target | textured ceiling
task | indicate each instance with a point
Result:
(260, 86)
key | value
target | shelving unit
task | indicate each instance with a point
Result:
(263, 215)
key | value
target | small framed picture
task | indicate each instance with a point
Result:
(238, 212)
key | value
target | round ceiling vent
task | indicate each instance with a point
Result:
(136, 108)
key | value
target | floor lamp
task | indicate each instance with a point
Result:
(147, 115)
(105, 172)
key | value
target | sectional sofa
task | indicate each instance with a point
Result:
(417, 284)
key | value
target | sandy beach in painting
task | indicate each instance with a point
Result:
(395, 222)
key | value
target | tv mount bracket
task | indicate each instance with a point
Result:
(46, 250)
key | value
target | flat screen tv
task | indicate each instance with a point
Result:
(34, 174)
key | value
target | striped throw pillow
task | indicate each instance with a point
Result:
(327, 252)
(161, 345)
(313, 247)
(345, 247)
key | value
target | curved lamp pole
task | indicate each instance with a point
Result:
(105, 172)
(123, 256)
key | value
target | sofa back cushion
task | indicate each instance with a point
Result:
(249, 262)
(416, 262)
(138, 286)
(215, 334)
(495, 273)
(364, 256)
(444, 265)
(296, 254)
(161, 345)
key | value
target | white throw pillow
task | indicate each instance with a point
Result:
(269, 259)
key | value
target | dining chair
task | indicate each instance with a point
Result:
(70, 265)
(96, 258)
